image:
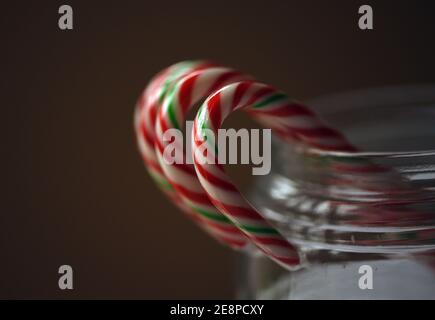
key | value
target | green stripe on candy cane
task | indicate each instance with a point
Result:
(171, 112)
(210, 215)
(269, 100)
(259, 230)
(180, 69)
(163, 183)
(209, 140)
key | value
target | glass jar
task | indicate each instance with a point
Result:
(364, 223)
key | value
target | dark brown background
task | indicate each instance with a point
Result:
(74, 188)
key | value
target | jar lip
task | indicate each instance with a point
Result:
(336, 200)
(301, 148)
(378, 96)
(371, 154)
(374, 97)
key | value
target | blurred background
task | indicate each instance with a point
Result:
(75, 190)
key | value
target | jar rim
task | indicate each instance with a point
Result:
(372, 154)
(374, 99)
(372, 202)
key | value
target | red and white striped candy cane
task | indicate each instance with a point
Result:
(222, 192)
(146, 110)
(145, 117)
(186, 93)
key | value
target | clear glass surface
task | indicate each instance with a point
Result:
(373, 208)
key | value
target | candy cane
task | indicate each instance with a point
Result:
(222, 192)
(186, 93)
(146, 109)
(145, 116)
